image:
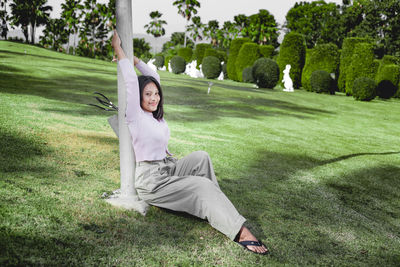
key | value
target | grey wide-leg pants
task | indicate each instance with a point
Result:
(188, 185)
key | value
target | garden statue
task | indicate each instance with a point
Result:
(287, 81)
(192, 71)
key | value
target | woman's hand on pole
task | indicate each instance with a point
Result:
(116, 44)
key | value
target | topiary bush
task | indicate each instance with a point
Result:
(211, 67)
(221, 55)
(265, 73)
(292, 51)
(248, 54)
(224, 70)
(159, 61)
(199, 53)
(236, 44)
(266, 50)
(178, 64)
(387, 79)
(321, 57)
(322, 82)
(167, 60)
(186, 53)
(247, 75)
(362, 65)
(346, 59)
(364, 89)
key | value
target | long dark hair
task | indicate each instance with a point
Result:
(145, 80)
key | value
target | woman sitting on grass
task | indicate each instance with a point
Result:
(187, 185)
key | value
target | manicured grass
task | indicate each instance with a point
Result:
(317, 176)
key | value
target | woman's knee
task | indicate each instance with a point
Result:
(201, 155)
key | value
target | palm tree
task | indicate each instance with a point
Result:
(55, 34)
(155, 27)
(186, 8)
(30, 12)
(72, 13)
(195, 29)
(3, 13)
(20, 16)
(212, 31)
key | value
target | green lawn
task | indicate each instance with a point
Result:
(317, 176)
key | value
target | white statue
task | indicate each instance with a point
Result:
(192, 71)
(151, 64)
(287, 81)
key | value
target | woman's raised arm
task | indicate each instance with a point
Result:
(133, 109)
(145, 70)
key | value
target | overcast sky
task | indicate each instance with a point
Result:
(221, 10)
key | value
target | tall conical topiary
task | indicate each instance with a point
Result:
(248, 54)
(346, 58)
(236, 44)
(292, 51)
(362, 65)
(321, 57)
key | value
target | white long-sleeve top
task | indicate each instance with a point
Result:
(149, 135)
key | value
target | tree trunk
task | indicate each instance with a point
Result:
(128, 197)
(33, 32)
(26, 33)
(74, 43)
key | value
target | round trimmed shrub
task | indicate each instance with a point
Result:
(387, 79)
(364, 89)
(211, 67)
(186, 53)
(346, 56)
(322, 82)
(292, 51)
(247, 75)
(248, 54)
(321, 57)
(159, 61)
(266, 50)
(265, 73)
(362, 65)
(178, 64)
(199, 53)
(236, 44)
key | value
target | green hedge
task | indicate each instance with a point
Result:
(211, 67)
(166, 61)
(362, 65)
(236, 44)
(364, 89)
(178, 64)
(248, 54)
(387, 79)
(221, 55)
(186, 53)
(346, 58)
(265, 73)
(321, 57)
(199, 53)
(266, 50)
(292, 51)
(322, 82)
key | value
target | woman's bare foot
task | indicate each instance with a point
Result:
(246, 235)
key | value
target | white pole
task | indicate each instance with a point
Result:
(126, 197)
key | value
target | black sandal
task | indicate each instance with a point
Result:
(252, 243)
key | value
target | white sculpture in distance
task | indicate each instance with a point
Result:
(287, 81)
(192, 71)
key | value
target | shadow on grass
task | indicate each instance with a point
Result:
(333, 218)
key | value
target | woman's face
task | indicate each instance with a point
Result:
(150, 98)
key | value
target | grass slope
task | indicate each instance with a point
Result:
(317, 176)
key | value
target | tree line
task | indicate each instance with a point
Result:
(319, 22)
